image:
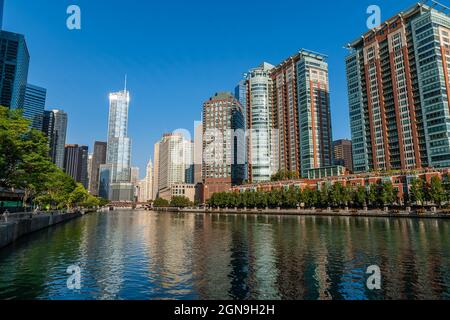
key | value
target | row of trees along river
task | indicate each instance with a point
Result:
(25, 166)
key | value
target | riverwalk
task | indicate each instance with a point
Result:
(17, 225)
(415, 214)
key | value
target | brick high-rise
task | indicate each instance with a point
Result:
(223, 143)
(301, 107)
(399, 92)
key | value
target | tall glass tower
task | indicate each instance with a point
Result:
(115, 175)
(119, 145)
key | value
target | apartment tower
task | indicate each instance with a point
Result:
(399, 92)
(301, 109)
(223, 143)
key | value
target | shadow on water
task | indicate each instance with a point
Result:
(146, 255)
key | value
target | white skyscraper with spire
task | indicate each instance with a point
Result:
(115, 175)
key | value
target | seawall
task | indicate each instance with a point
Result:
(317, 212)
(23, 224)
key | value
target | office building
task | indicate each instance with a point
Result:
(55, 127)
(342, 152)
(188, 161)
(34, 105)
(175, 160)
(198, 152)
(14, 63)
(155, 183)
(223, 144)
(179, 190)
(76, 163)
(118, 156)
(399, 92)
(98, 158)
(302, 112)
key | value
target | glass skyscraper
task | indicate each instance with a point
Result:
(34, 105)
(399, 92)
(55, 127)
(115, 175)
(14, 62)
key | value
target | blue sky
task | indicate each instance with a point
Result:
(176, 54)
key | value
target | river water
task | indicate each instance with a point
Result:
(145, 255)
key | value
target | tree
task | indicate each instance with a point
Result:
(372, 195)
(284, 175)
(416, 192)
(436, 191)
(180, 202)
(160, 203)
(78, 196)
(360, 197)
(56, 190)
(324, 196)
(24, 160)
(387, 195)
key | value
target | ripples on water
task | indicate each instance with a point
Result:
(145, 255)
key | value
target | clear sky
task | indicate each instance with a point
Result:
(176, 54)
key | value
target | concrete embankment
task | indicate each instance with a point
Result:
(324, 213)
(19, 225)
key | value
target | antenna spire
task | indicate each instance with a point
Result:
(125, 90)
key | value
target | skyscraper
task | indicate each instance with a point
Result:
(55, 127)
(2, 4)
(175, 160)
(188, 161)
(399, 92)
(98, 158)
(14, 62)
(118, 156)
(198, 152)
(342, 151)
(262, 151)
(302, 107)
(223, 143)
(149, 181)
(76, 163)
(155, 188)
(146, 185)
(34, 105)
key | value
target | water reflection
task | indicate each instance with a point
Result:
(142, 255)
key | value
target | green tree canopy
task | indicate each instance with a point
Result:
(180, 202)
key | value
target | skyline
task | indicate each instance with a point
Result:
(185, 64)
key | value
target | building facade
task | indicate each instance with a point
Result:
(301, 107)
(262, 150)
(155, 187)
(34, 105)
(14, 63)
(223, 143)
(342, 152)
(76, 163)
(118, 155)
(399, 92)
(55, 127)
(198, 152)
(175, 160)
(179, 190)
(98, 159)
